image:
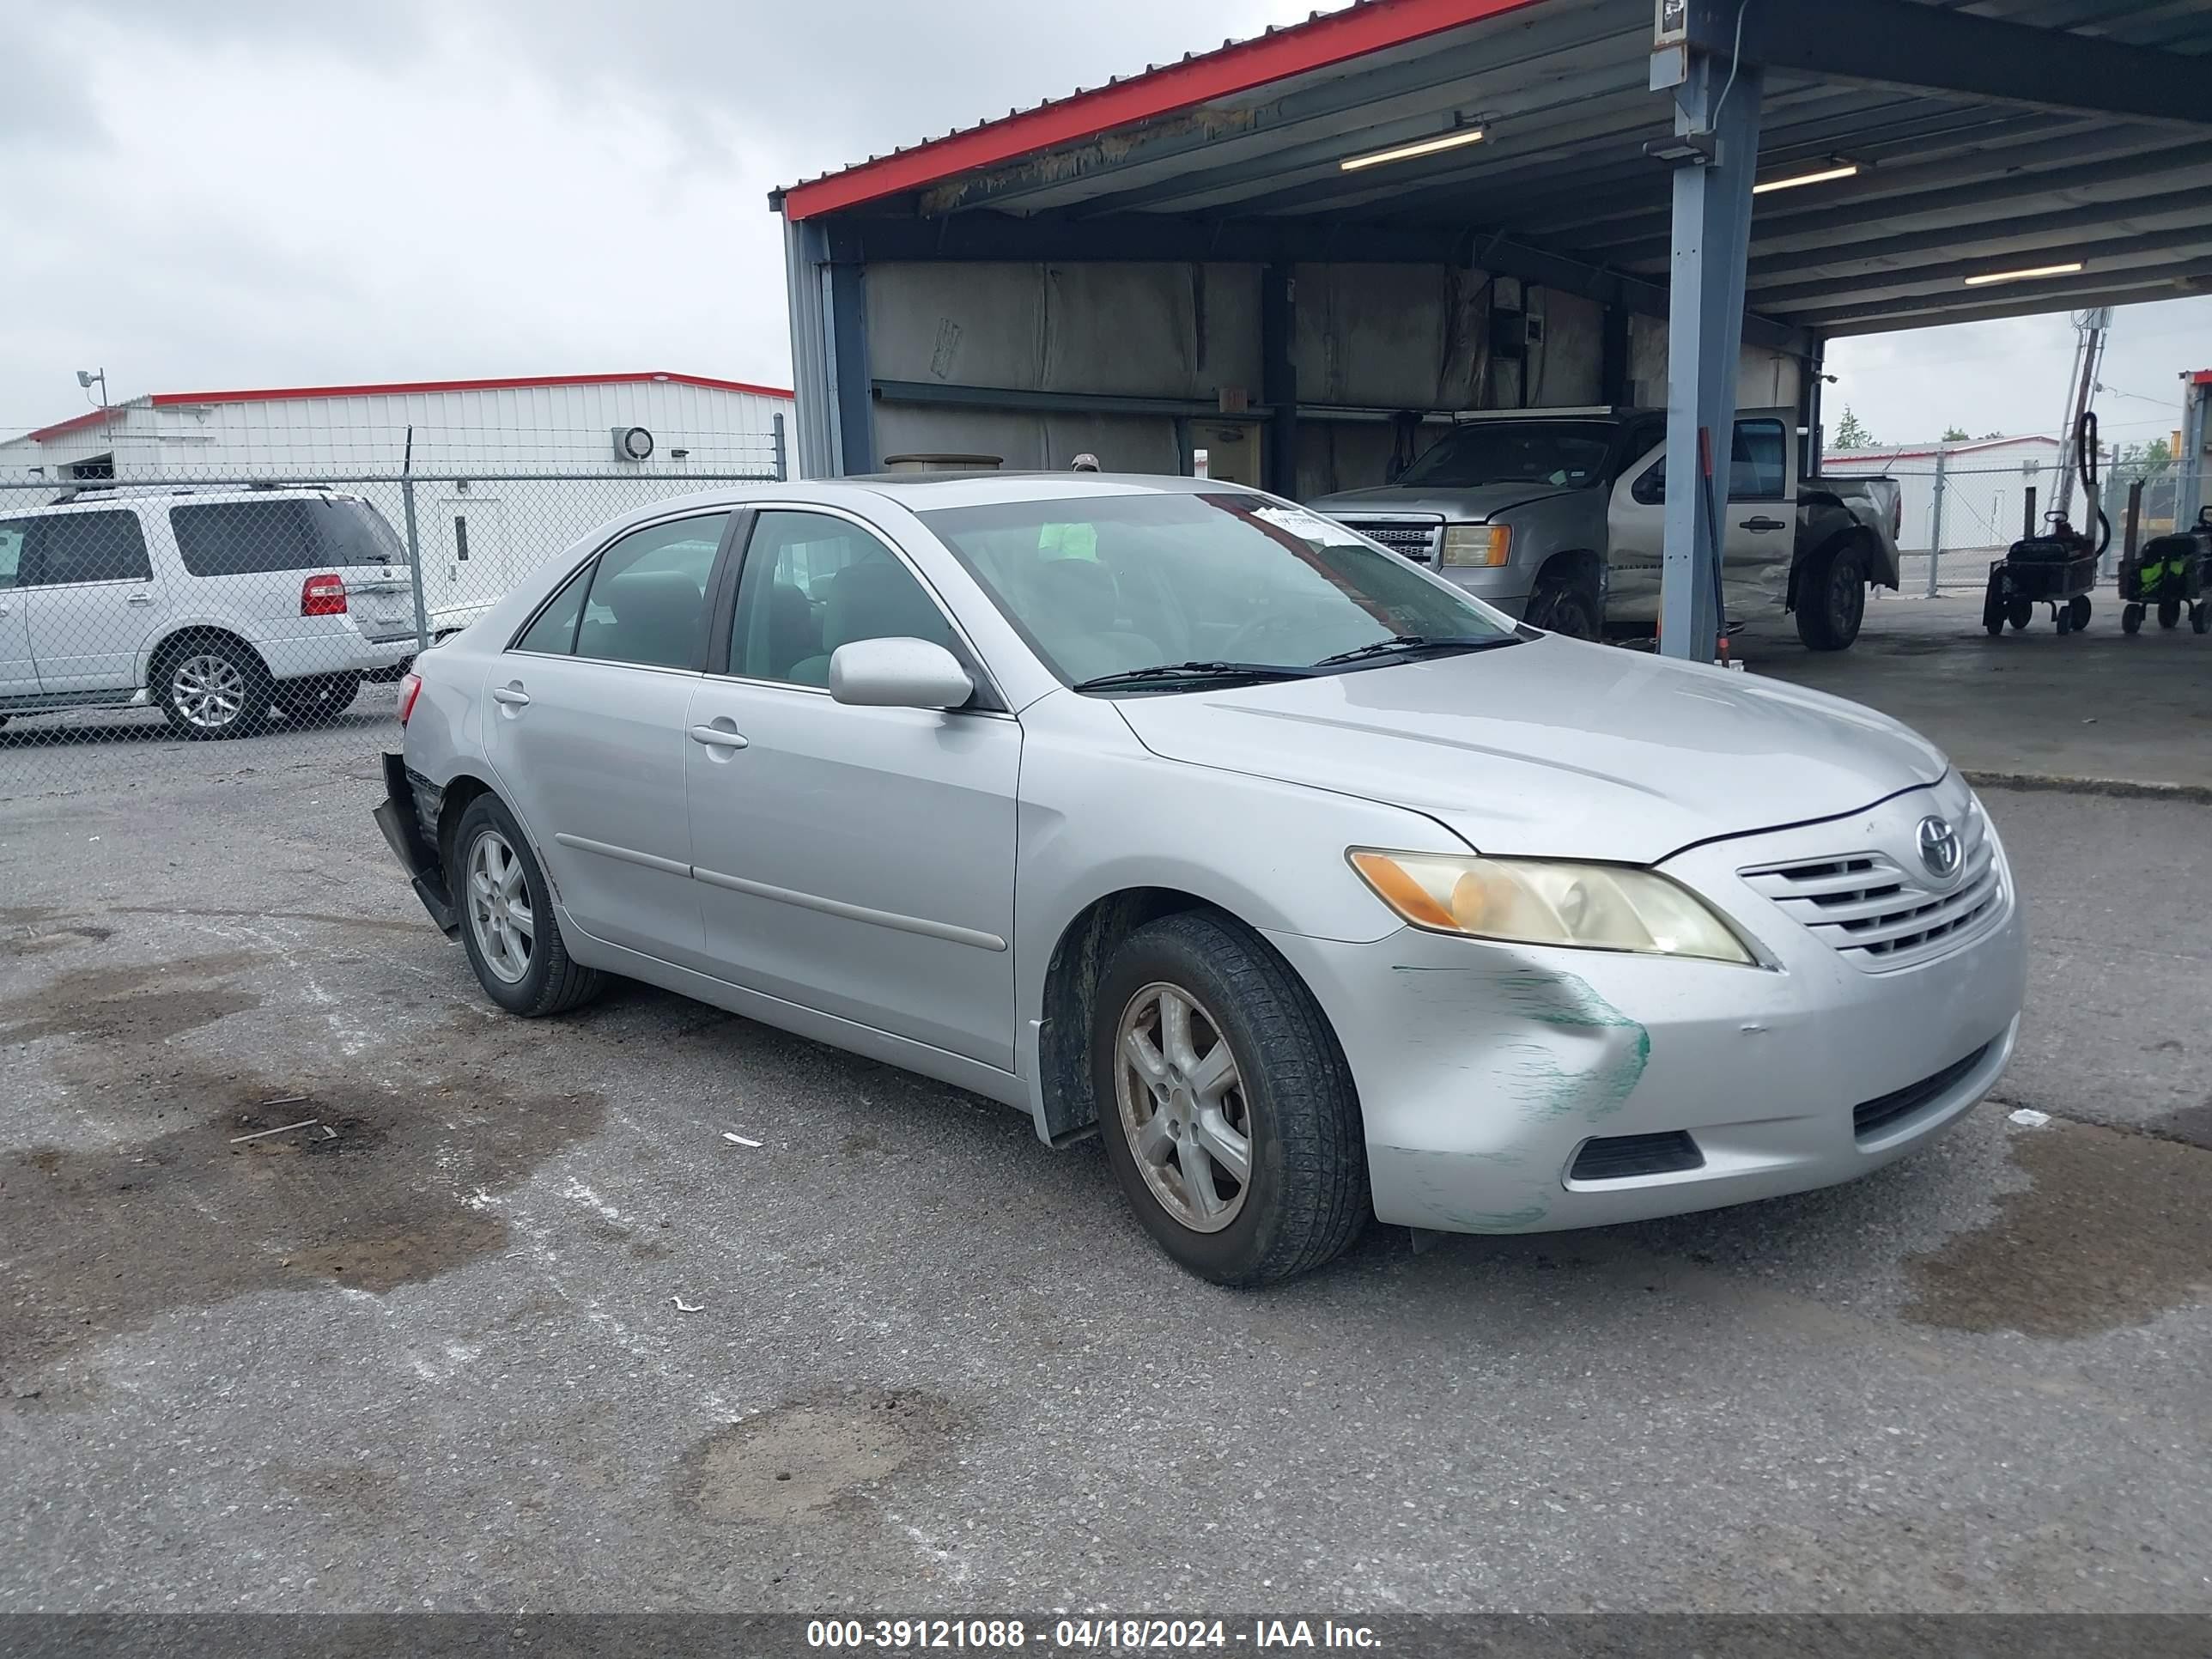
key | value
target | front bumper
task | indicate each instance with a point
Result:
(400, 818)
(1506, 586)
(1484, 1070)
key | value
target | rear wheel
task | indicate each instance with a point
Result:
(1225, 1105)
(506, 917)
(319, 697)
(2169, 613)
(2020, 613)
(1832, 597)
(2200, 617)
(2131, 620)
(2078, 611)
(213, 688)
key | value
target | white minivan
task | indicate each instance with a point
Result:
(215, 607)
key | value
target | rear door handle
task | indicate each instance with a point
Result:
(717, 737)
(140, 599)
(1765, 523)
(513, 696)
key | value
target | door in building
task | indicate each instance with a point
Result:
(1232, 450)
(472, 554)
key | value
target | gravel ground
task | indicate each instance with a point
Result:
(446, 1358)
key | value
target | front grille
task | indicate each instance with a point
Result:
(1619, 1158)
(1415, 539)
(1873, 1117)
(1880, 915)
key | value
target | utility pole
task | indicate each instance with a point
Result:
(2090, 328)
(1935, 519)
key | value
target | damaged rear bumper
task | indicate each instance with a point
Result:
(410, 800)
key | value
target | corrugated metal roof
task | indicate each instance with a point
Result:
(1256, 132)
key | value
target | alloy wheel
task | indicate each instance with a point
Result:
(1180, 1097)
(499, 908)
(208, 691)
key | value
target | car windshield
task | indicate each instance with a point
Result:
(1223, 583)
(1568, 453)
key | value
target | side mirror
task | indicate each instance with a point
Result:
(899, 673)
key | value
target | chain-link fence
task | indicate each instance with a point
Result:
(274, 604)
(1955, 520)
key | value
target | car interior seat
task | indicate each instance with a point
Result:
(660, 616)
(876, 600)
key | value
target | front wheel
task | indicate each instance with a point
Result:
(2078, 611)
(216, 688)
(2131, 620)
(2200, 617)
(506, 917)
(2020, 613)
(2169, 613)
(1832, 597)
(1225, 1102)
(1566, 608)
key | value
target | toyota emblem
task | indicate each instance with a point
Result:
(1939, 848)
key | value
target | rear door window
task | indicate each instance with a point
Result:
(1756, 469)
(647, 603)
(244, 538)
(79, 547)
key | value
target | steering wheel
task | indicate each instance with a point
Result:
(1250, 640)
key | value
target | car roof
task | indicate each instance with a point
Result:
(93, 497)
(924, 492)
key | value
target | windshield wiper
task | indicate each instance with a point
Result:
(1194, 670)
(1415, 644)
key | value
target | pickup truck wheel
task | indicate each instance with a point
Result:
(1563, 607)
(1832, 597)
(1225, 1102)
(506, 917)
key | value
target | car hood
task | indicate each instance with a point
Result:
(1476, 501)
(1554, 748)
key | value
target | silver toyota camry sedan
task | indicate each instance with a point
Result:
(1169, 811)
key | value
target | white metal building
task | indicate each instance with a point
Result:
(1983, 482)
(506, 471)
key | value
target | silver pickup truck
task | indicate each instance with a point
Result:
(1561, 517)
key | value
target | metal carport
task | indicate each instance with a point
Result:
(1190, 244)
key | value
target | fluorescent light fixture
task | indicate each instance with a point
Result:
(1841, 170)
(2028, 275)
(1407, 152)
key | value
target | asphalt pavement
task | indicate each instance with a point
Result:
(517, 1326)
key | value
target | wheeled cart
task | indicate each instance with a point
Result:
(2170, 576)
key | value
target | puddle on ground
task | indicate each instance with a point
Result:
(807, 1456)
(37, 930)
(2116, 1231)
(177, 1214)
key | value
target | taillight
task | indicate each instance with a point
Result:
(410, 687)
(323, 596)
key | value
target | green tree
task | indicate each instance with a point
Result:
(2144, 460)
(1851, 432)
(1954, 435)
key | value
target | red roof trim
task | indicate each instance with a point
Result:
(1334, 39)
(2203, 377)
(1961, 448)
(91, 417)
(396, 388)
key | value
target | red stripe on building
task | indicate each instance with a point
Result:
(1374, 26)
(513, 382)
(90, 418)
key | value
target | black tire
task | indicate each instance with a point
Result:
(1565, 607)
(2063, 620)
(2131, 619)
(550, 982)
(2200, 619)
(318, 697)
(2169, 613)
(1832, 594)
(2020, 613)
(212, 689)
(2078, 611)
(1307, 1197)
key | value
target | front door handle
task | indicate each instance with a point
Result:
(513, 695)
(1763, 523)
(717, 737)
(140, 599)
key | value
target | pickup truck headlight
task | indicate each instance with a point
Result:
(1476, 544)
(1593, 907)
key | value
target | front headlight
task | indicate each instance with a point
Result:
(1476, 544)
(1595, 907)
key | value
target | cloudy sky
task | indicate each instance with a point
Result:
(270, 192)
